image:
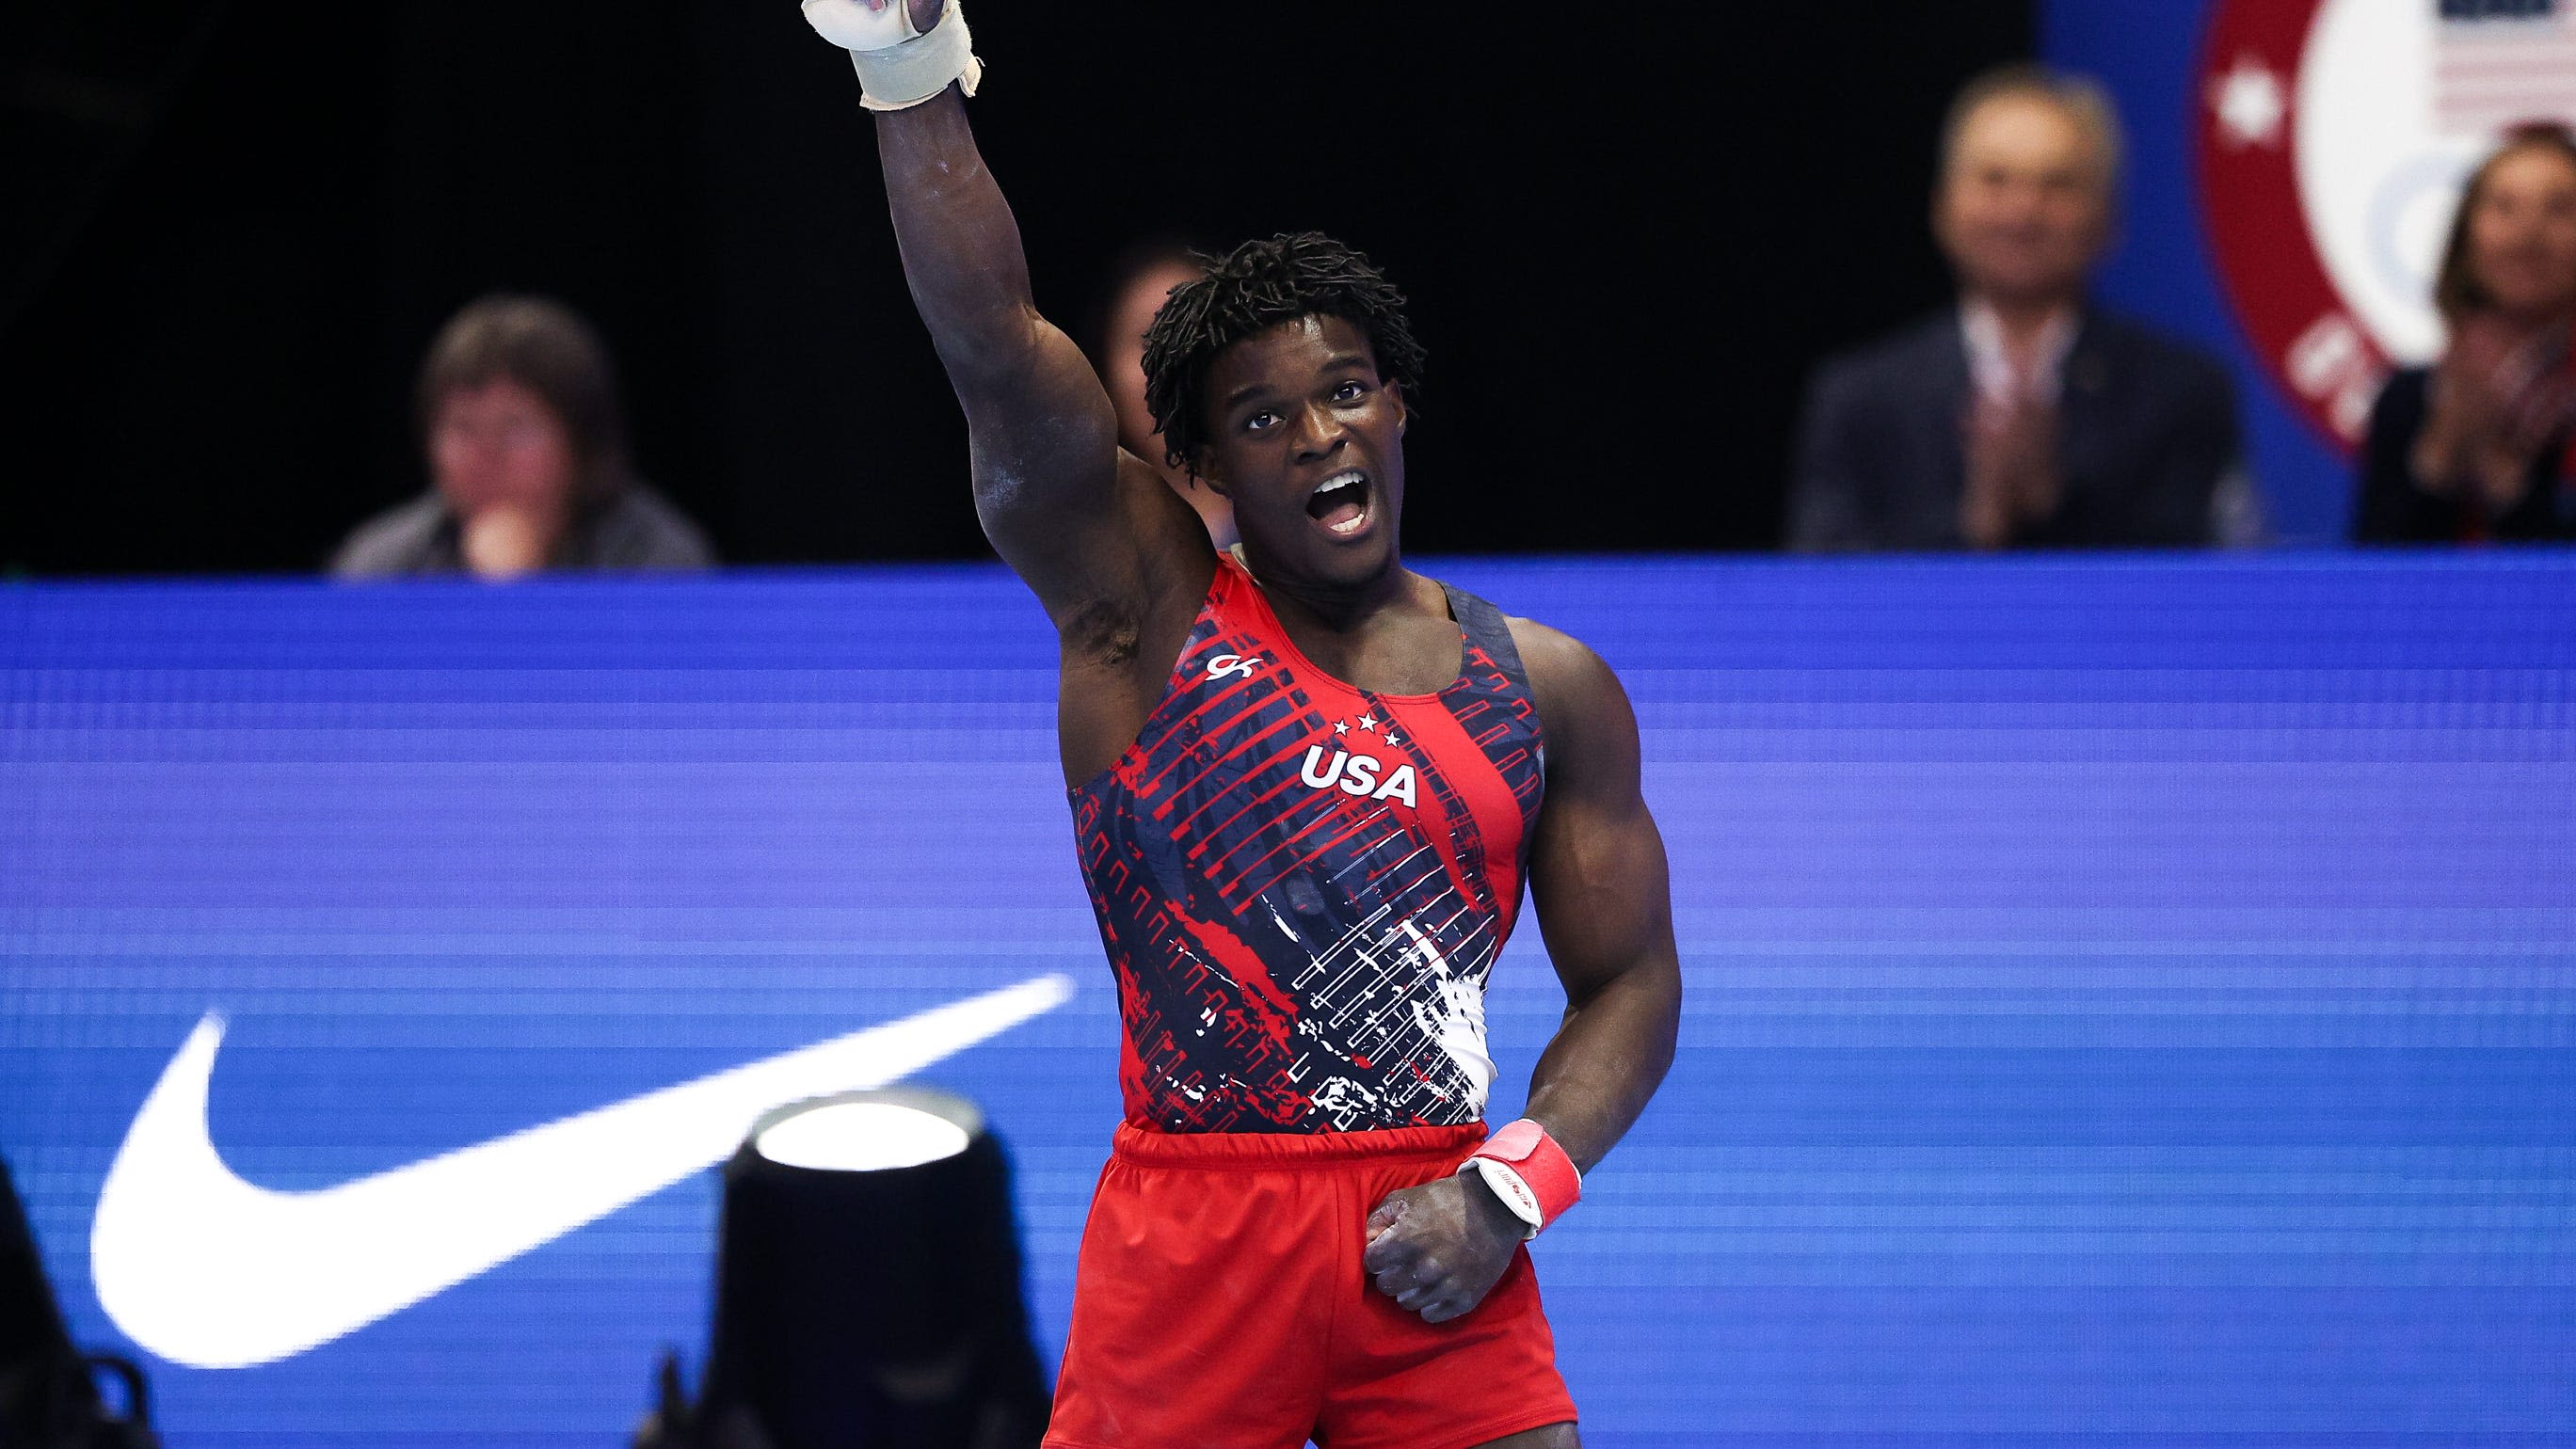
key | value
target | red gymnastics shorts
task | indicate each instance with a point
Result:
(1220, 1304)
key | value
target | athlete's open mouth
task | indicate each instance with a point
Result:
(1341, 502)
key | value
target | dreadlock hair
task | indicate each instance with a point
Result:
(1250, 290)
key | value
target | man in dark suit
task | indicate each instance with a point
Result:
(2024, 417)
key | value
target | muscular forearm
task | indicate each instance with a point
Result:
(1043, 436)
(1606, 1060)
(961, 245)
(1438, 1247)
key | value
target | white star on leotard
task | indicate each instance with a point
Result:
(1368, 721)
(1341, 726)
(1391, 739)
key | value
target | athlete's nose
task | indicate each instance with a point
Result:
(1319, 431)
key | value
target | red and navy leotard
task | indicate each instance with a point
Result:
(1303, 885)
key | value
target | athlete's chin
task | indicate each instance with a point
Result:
(1313, 556)
(1344, 567)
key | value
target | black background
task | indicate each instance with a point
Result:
(1628, 232)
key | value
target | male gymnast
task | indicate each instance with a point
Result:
(1307, 785)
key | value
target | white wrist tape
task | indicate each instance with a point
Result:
(896, 67)
(1513, 1189)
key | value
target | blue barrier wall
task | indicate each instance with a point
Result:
(2127, 998)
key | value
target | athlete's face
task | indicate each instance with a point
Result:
(1307, 441)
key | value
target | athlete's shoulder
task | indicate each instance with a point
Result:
(1579, 696)
(1544, 648)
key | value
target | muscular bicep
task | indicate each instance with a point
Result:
(1598, 873)
(1050, 489)
(1083, 523)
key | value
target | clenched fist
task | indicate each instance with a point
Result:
(1439, 1248)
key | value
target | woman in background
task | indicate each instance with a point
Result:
(1139, 279)
(2477, 446)
(526, 449)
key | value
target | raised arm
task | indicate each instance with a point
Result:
(1095, 533)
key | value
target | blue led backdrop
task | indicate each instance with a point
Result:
(2125, 998)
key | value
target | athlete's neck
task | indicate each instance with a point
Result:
(1398, 641)
(1343, 608)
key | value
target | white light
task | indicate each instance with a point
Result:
(861, 1137)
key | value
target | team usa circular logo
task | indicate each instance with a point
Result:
(2332, 138)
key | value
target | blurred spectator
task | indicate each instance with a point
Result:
(2478, 446)
(1139, 280)
(526, 449)
(2024, 416)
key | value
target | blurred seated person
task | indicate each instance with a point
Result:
(2024, 416)
(1139, 280)
(2478, 446)
(526, 449)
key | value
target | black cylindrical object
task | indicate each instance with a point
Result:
(875, 1307)
(49, 1395)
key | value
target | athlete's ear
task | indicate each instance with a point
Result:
(1402, 414)
(1203, 467)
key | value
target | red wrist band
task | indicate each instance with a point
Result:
(1529, 1172)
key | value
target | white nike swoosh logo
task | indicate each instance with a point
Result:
(207, 1270)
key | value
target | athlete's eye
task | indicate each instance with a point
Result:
(1351, 391)
(1261, 422)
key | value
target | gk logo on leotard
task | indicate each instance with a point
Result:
(1241, 666)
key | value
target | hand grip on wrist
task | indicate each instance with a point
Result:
(897, 67)
(1529, 1172)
